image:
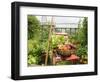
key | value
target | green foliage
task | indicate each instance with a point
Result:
(31, 59)
(64, 63)
(34, 52)
(44, 33)
(33, 26)
(81, 38)
(73, 38)
(57, 40)
(37, 40)
(81, 51)
(82, 33)
(34, 48)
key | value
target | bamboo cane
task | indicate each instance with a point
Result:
(49, 40)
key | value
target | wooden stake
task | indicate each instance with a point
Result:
(49, 40)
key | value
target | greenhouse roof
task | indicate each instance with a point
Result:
(61, 21)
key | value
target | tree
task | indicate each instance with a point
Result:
(33, 26)
(82, 33)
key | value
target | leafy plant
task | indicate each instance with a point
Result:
(57, 40)
(81, 51)
(34, 52)
(31, 59)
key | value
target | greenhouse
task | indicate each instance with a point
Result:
(57, 40)
(68, 25)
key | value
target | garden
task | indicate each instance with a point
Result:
(48, 46)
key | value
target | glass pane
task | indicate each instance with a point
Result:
(72, 30)
(67, 30)
(58, 30)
